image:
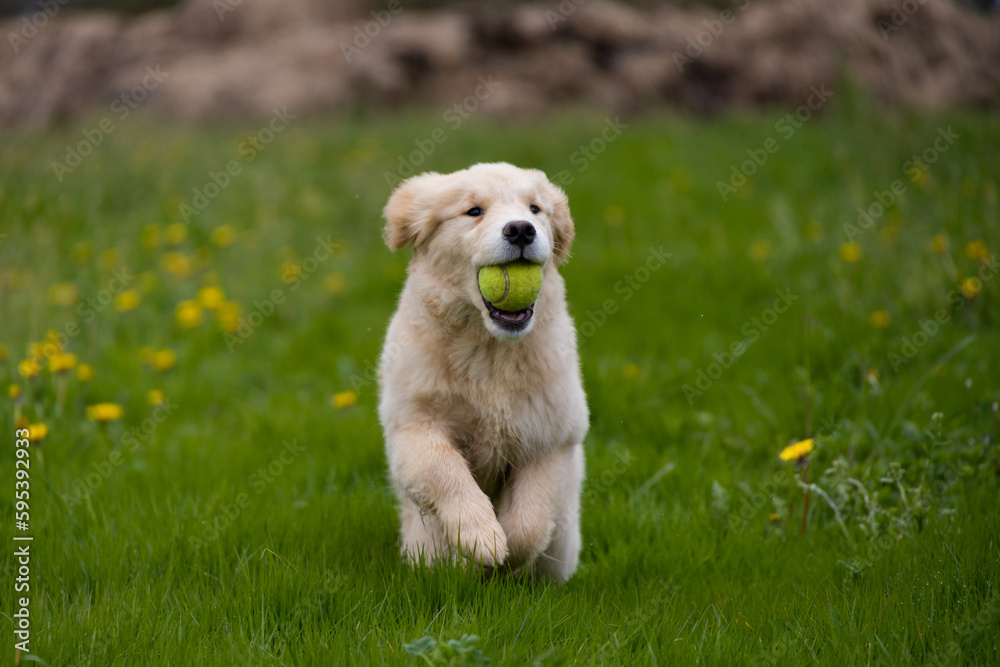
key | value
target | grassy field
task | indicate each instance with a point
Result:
(238, 511)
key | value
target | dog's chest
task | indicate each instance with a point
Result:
(499, 424)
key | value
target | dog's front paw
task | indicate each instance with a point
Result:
(486, 544)
(478, 535)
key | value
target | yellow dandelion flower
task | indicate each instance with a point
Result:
(211, 297)
(681, 179)
(61, 362)
(632, 371)
(37, 432)
(155, 397)
(774, 517)
(147, 281)
(290, 271)
(109, 259)
(344, 399)
(850, 253)
(939, 244)
(127, 300)
(614, 216)
(163, 360)
(29, 368)
(63, 294)
(14, 391)
(760, 251)
(745, 191)
(890, 230)
(47, 347)
(176, 264)
(17, 277)
(188, 314)
(81, 252)
(880, 319)
(3, 352)
(105, 412)
(222, 236)
(797, 451)
(971, 287)
(150, 237)
(84, 372)
(969, 188)
(177, 233)
(334, 283)
(228, 316)
(976, 250)
(814, 231)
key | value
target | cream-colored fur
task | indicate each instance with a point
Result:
(483, 426)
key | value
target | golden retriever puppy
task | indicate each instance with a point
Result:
(483, 410)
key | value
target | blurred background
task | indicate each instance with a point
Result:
(194, 291)
(230, 58)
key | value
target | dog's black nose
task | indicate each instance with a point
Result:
(519, 232)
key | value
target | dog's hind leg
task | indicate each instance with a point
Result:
(560, 558)
(540, 513)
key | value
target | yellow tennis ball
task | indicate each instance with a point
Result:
(511, 287)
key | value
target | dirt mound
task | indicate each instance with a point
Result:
(216, 58)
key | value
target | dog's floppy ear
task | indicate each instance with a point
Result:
(562, 224)
(409, 214)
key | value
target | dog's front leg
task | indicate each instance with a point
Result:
(539, 507)
(431, 473)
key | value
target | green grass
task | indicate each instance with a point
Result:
(305, 567)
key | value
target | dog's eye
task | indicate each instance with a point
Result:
(475, 212)
(534, 209)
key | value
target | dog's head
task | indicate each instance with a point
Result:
(481, 216)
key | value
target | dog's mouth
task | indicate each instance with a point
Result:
(510, 320)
